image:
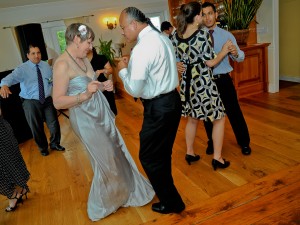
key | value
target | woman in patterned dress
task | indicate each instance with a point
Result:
(13, 172)
(199, 95)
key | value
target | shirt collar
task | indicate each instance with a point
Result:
(33, 65)
(215, 28)
(144, 32)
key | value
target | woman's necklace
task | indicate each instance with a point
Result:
(84, 70)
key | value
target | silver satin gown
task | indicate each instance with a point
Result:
(117, 181)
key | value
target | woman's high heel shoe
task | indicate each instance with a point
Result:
(191, 158)
(13, 208)
(23, 192)
(216, 164)
(10, 208)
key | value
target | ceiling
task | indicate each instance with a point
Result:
(19, 3)
(16, 12)
(16, 3)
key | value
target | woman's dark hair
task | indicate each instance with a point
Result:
(186, 16)
(79, 29)
(137, 15)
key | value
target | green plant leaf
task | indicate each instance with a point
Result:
(238, 14)
(106, 49)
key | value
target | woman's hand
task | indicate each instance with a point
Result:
(227, 47)
(220, 56)
(92, 87)
(108, 85)
(98, 72)
(180, 67)
(233, 50)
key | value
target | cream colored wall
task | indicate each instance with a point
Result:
(289, 36)
(10, 56)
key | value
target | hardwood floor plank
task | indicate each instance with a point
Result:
(290, 106)
(279, 188)
(267, 179)
(260, 208)
(289, 216)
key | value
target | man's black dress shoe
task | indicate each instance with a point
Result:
(160, 208)
(210, 148)
(246, 150)
(57, 147)
(44, 152)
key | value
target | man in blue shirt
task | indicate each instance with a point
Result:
(37, 102)
(224, 82)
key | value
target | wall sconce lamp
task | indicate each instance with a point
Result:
(111, 23)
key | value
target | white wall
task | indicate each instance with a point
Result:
(268, 32)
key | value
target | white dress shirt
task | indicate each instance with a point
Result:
(152, 66)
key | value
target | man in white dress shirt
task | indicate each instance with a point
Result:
(151, 75)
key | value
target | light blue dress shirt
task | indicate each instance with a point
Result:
(26, 75)
(220, 37)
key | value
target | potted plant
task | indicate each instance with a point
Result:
(106, 49)
(238, 14)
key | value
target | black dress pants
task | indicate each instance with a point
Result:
(36, 113)
(233, 111)
(161, 120)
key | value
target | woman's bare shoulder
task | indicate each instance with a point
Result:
(62, 61)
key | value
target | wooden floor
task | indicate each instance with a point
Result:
(263, 188)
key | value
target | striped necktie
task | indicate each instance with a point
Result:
(41, 85)
(211, 37)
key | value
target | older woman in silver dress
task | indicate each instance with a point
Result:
(117, 181)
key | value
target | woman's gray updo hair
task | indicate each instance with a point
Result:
(79, 29)
(137, 15)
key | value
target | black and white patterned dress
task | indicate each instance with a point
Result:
(13, 170)
(199, 94)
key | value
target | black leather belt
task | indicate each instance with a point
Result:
(218, 76)
(22, 99)
(158, 96)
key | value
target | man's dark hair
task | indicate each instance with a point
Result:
(32, 45)
(165, 26)
(208, 4)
